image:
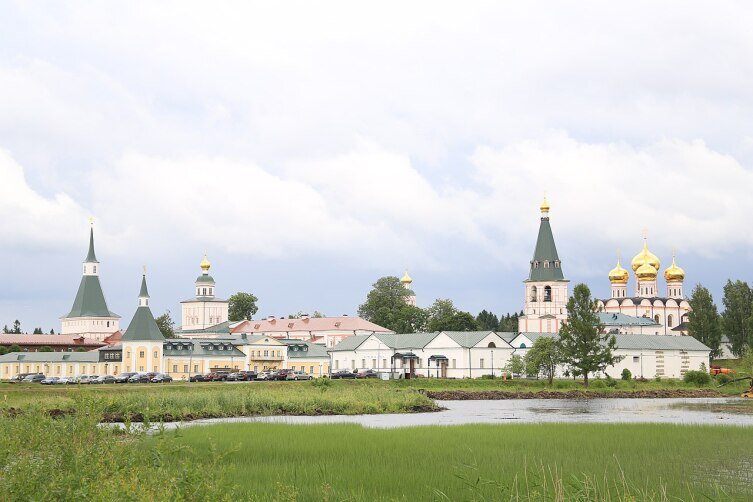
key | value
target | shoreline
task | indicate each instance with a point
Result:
(499, 395)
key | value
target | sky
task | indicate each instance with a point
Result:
(310, 148)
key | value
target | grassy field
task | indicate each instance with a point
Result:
(479, 462)
(187, 401)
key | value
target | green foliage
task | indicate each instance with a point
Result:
(611, 382)
(443, 316)
(166, 325)
(46, 348)
(242, 306)
(3, 350)
(704, 321)
(737, 318)
(722, 379)
(509, 323)
(15, 348)
(38, 331)
(487, 321)
(81, 349)
(699, 378)
(516, 365)
(626, 374)
(584, 349)
(15, 330)
(543, 357)
(386, 306)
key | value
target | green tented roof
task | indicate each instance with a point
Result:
(144, 292)
(90, 300)
(142, 327)
(91, 257)
(546, 251)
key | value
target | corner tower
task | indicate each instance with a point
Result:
(546, 290)
(143, 341)
(89, 315)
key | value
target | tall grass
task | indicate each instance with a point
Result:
(174, 402)
(482, 462)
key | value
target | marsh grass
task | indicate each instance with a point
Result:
(482, 462)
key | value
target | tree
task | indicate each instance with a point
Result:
(583, 346)
(3, 350)
(38, 331)
(16, 327)
(386, 306)
(242, 306)
(5, 329)
(737, 318)
(487, 321)
(703, 320)
(443, 316)
(14, 348)
(52, 331)
(81, 349)
(515, 365)
(46, 348)
(166, 325)
(509, 323)
(543, 357)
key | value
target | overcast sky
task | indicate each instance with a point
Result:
(312, 147)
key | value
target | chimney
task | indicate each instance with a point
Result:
(271, 318)
(304, 317)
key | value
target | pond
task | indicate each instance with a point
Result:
(675, 411)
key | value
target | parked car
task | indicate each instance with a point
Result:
(241, 376)
(141, 378)
(235, 377)
(36, 378)
(298, 375)
(264, 375)
(104, 379)
(248, 375)
(19, 378)
(50, 381)
(282, 374)
(367, 374)
(340, 374)
(218, 376)
(161, 378)
(65, 381)
(123, 377)
(198, 378)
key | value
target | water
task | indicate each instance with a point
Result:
(528, 411)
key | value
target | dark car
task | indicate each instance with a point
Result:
(282, 375)
(198, 378)
(142, 377)
(242, 376)
(342, 374)
(19, 378)
(104, 379)
(123, 377)
(367, 374)
(34, 378)
(161, 378)
(218, 376)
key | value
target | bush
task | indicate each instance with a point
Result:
(611, 382)
(626, 375)
(698, 378)
(597, 384)
(721, 378)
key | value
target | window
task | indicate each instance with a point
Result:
(363, 363)
(353, 364)
(384, 363)
(175, 368)
(292, 368)
(481, 363)
(337, 364)
(95, 269)
(155, 354)
(533, 293)
(636, 359)
(311, 370)
(266, 353)
(196, 368)
(548, 294)
(670, 320)
(141, 353)
(185, 368)
(491, 345)
(656, 318)
(454, 363)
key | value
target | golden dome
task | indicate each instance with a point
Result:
(646, 272)
(645, 257)
(674, 273)
(205, 264)
(544, 206)
(406, 278)
(619, 274)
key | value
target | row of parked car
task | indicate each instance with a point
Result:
(240, 376)
(342, 374)
(93, 379)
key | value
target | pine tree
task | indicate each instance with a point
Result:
(737, 318)
(704, 321)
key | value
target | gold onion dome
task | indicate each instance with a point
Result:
(619, 274)
(205, 264)
(674, 273)
(406, 278)
(645, 257)
(646, 272)
(544, 206)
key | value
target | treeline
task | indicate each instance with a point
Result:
(16, 329)
(386, 306)
(735, 322)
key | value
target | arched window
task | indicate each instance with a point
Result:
(656, 318)
(546, 263)
(491, 345)
(522, 345)
(534, 291)
(670, 320)
(548, 294)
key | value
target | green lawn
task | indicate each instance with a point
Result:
(479, 462)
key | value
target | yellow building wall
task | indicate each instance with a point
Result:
(314, 367)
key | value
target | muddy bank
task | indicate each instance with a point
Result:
(465, 395)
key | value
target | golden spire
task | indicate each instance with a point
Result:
(618, 275)
(673, 272)
(406, 279)
(544, 206)
(205, 264)
(645, 257)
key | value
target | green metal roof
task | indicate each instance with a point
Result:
(643, 342)
(142, 327)
(144, 292)
(51, 357)
(201, 348)
(311, 351)
(620, 319)
(223, 327)
(546, 251)
(90, 300)
(406, 341)
(205, 278)
(471, 338)
(91, 257)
